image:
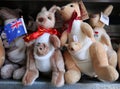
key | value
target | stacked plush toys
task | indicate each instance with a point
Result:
(39, 51)
(84, 54)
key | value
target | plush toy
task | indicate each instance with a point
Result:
(2, 50)
(84, 54)
(44, 55)
(2, 53)
(118, 53)
(15, 51)
(101, 34)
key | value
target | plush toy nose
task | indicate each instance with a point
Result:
(71, 48)
(41, 19)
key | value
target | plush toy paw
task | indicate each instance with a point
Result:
(58, 79)
(18, 74)
(30, 76)
(6, 71)
(55, 41)
(72, 76)
(108, 74)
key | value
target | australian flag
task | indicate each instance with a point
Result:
(15, 29)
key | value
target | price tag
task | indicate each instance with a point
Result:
(104, 18)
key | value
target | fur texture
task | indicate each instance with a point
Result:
(90, 58)
(46, 56)
(102, 36)
(15, 52)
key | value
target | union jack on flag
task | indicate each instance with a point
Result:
(15, 29)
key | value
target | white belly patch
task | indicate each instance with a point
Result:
(43, 62)
(81, 57)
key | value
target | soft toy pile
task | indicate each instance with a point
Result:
(86, 51)
(88, 55)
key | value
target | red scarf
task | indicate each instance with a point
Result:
(39, 32)
(70, 22)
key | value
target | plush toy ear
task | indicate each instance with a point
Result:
(84, 13)
(44, 9)
(108, 10)
(53, 9)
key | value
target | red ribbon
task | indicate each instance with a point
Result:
(74, 17)
(39, 32)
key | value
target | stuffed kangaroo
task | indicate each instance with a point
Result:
(102, 36)
(44, 55)
(83, 50)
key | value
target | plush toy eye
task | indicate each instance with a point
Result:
(71, 5)
(49, 18)
(38, 44)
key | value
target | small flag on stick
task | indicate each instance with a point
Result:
(15, 29)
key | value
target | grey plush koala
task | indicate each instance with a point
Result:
(15, 51)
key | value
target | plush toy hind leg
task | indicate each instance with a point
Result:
(73, 74)
(101, 66)
(2, 53)
(112, 58)
(112, 55)
(58, 69)
(31, 71)
(57, 63)
(118, 53)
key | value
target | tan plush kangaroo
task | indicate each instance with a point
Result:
(102, 36)
(2, 53)
(44, 55)
(84, 54)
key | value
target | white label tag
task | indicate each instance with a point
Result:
(104, 18)
(75, 38)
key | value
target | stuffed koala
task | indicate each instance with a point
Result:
(102, 36)
(84, 54)
(15, 51)
(44, 54)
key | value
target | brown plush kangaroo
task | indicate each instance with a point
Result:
(84, 54)
(102, 36)
(44, 55)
